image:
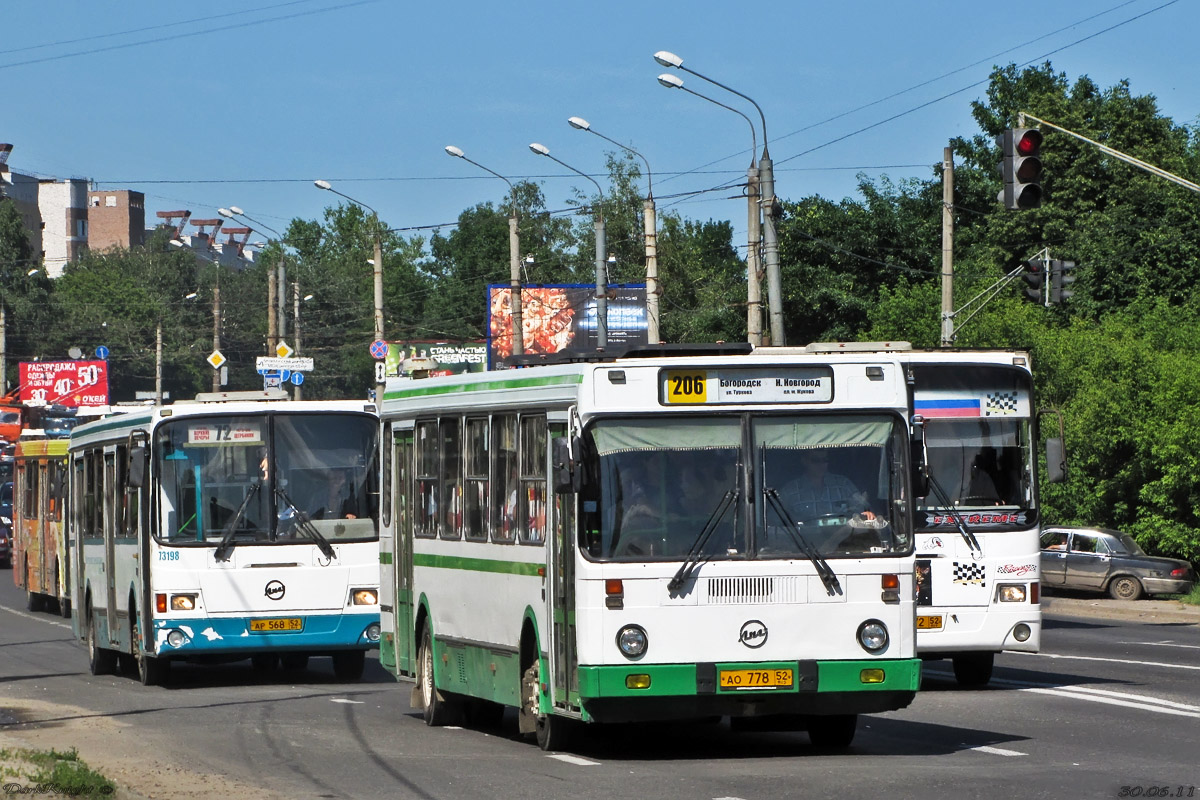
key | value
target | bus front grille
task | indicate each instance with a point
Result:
(739, 591)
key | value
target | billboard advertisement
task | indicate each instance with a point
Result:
(562, 319)
(66, 383)
(440, 358)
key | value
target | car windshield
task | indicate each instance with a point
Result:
(231, 480)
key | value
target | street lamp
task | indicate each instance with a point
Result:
(276, 318)
(601, 267)
(216, 309)
(514, 255)
(753, 210)
(767, 187)
(649, 226)
(378, 266)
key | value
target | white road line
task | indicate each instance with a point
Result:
(1167, 643)
(344, 700)
(37, 617)
(1114, 661)
(576, 760)
(996, 751)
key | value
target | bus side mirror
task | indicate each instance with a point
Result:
(137, 467)
(1056, 461)
(564, 471)
(920, 473)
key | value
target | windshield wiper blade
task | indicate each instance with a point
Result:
(226, 546)
(959, 522)
(304, 524)
(692, 559)
(824, 571)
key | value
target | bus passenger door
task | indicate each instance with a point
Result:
(561, 597)
(402, 557)
(108, 503)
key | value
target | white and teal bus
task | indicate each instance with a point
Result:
(623, 540)
(241, 525)
(977, 525)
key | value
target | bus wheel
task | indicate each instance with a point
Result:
(101, 661)
(973, 669)
(554, 733)
(833, 732)
(438, 710)
(33, 601)
(64, 608)
(551, 732)
(153, 671)
(348, 664)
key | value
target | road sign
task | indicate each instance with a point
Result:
(283, 350)
(271, 382)
(297, 378)
(102, 353)
(380, 372)
(216, 359)
(274, 364)
(379, 349)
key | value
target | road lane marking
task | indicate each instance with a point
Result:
(37, 617)
(1166, 643)
(576, 760)
(344, 700)
(996, 751)
(1106, 696)
(1131, 662)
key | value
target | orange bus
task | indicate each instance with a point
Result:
(39, 559)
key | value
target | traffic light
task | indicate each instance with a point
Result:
(1021, 167)
(1060, 279)
(1035, 276)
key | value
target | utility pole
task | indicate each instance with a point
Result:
(754, 320)
(158, 355)
(947, 247)
(296, 322)
(216, 383)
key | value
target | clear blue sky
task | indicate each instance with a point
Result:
(246, 106)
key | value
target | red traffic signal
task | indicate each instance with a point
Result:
(1035, 278)
(1021, 166)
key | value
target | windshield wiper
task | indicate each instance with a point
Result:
(692, 559)
(824, 571)
(959, 522)
(304, 524)
(226, 546)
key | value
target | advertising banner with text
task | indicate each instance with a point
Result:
(440, 358)
(66, 383)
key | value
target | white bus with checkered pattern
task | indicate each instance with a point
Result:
(977, 526)
(631, 539)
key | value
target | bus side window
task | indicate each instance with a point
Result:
(533, 480)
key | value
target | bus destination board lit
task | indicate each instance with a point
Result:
(747, 386)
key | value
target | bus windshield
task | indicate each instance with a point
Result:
(746, 486)
(267, 478)
(978, 444)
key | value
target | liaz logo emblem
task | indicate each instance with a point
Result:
(275, 590)
(753, 634)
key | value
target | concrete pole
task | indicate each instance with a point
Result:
(650, 226)
(296, 323)
(272, 319)
(754, 320)
(158, 392)
(378, 275)
(947, 247)
(216, 381)
(601, 285)
(514, 281)
(771, 247)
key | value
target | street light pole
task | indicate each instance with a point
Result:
(650, 227)
(378, 274)
(754, 317)
(601, 265)
(767, 186)
(514, 255)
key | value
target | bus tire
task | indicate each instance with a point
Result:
(833, 732)
(348, 664)
(973, 669)
(153, 671)
(33, 601)
(438, 711)
(101, 661)
(554, 733)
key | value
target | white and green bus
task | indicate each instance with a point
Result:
(241, 525)
(626, 539)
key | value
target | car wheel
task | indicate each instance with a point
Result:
(1125, 587)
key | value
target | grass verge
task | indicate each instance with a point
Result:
(51, 772)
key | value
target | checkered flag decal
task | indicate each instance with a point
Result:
(1000, 404)
(969, 573)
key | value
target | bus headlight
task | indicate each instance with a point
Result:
(1011, 592)
(873, 636)
(372, 632)
(177, 638)
(631, 641)
(183, 602)
(364, 597)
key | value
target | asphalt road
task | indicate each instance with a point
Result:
(1110, 708)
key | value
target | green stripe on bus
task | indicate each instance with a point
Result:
(516, 383)
(385, 558)
(477, 564)
(115, 424)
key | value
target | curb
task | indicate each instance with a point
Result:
(1151, 611)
